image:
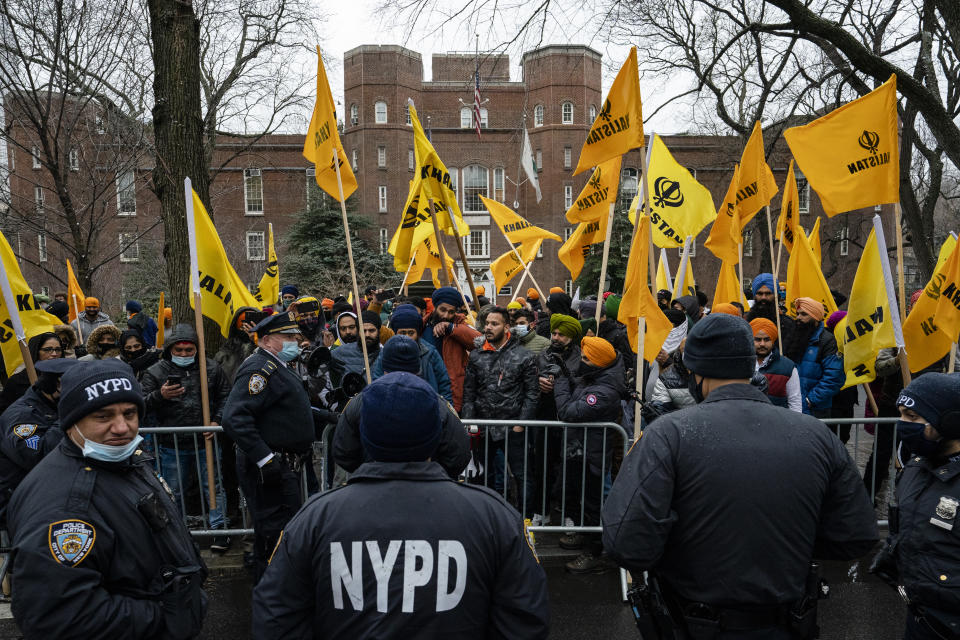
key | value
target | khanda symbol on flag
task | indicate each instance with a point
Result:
(666, 193)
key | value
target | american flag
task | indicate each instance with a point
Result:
(476, 101)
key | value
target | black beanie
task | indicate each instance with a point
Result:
(401, 353)
(936, 398)
(400, 418)
(369, 317)
(721, 346)
(92, 385)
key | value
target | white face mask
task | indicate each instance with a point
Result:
(106, 452)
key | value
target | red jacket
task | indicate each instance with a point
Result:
(455, 347)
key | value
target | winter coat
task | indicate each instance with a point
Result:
(86, 327)
(146, 326)
(821, 371)
(233, 352)
(547, 366)
(432, 370)
(455, 348)
(670, 392)
(616, 334)
(534, 342)
(501, 384)
(68, 338)
(348, 358)
(94, 337)
(17, 384)
(779, 370)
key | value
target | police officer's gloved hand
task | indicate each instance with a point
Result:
(271, 475)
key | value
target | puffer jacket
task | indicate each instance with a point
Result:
(821, 371)
(547, 366)
(670, 391)
(93, 349)
(454, 348)
(432, 370)
(185, 410)
(501, 384)
(348, 358)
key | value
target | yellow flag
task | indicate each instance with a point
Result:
(850, 156)
(805, 279)
(814, 241)
(577, 246)
(869, 327)
(689, 287)
(787, 223)
(268, 291)
(160, 323)
(728, 286)
(598, 194)
(221, 289)
(514, 226)
(638, 302)
(663, 273)
(426, 257)
(32, 317)
(927, 339)
(619, 125)
(508, 265)
(757, 185)
(725, 236)
(323, 137)
(679, 205)
(75, 297)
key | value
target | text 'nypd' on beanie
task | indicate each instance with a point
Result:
(92, 385)
(936, 398)
(400, 418)
(721, 346)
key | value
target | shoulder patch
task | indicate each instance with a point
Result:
(256, 384)
(528, 536)
(25, 430)
(33, 442)
(591, 399)
(71, 541)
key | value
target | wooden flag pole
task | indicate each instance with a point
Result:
(523, 279)
(353, 269)
(776, 267)
(644, 167)
(526, 268)
(953, 358)
(871, 400)
(201, 352)
(603, 265)
(898, 230)
(463, 259)
(740, 270)
(444, 280)
(638, 405)
(403, 284)
(76, 310)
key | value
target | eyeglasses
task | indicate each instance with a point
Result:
(51, 350)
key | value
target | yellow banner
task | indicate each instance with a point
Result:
(577, 247)
(638, 302)
(515, 227)
(926, 338)
(728, 286)
(618, 127)
(599, 193)
(850, 156)
(268, 290)
(689, 287)
(75, 297)
(868, 326)
(813, 239)
(426, 257)
(663, 280)
(725, 237)
(221, 289)
(788, 223)
(323, 138)
(757, 186)
(508, 265)
(805, 279)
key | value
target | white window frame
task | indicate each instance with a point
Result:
(593, 113)
(455, 182)
(380, 112)
(74, 159)
(693, 250)
(354, 159)
(567, 157)
(381, 156)
(845, 240)
(382, 198)
(538, 158)
(498, 184)
(354, 115)
(42, 246)
(566, 113)
(484, 118)
(252, 178)
(471, 200)
(506, 290)
(471, 248)
(466, 118)
(803, 193)
(567, 196)
(39, 197)
(411, 160)
(131, 198)
(568, 287)
(748, 243)
(629, 185)
(567, 232)
(409, 122)
(384, 239)
(123, 240)
(255, 253)
(35, 157)
(538, 116)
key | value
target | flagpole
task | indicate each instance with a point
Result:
(682, 274)
(463, 259)
(201, 350)
(436, 234)
(353, 269)
(740, 267)
(14, 312)
(76, 310)
(666, 270)
(603, 265)
(638, 404)
(644, 168)
(526, 269)
(406, 274)
(953, 358)
(520, 285)
(776, 293)
(896, 312)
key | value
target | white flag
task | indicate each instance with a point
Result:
(528, 163)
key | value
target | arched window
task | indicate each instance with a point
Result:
(538, 115)
(380, 112)
(628, 186)
(593, 113)
(566, 113)
(475, 184)
(354, 115)
(466, 117)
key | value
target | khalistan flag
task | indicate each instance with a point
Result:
(529, 166)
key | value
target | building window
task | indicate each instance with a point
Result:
(315, 194)
(256, 251)
(44, 291)
(748, 243)
(539, 160)
(380, 112)
(253, 191)
(506, 290)
(566, 113)
(538, 115)
(878, 208)
(381, 156)
(129, 248)
(567, 157)
(475, 184)
(568, 287)
(126, 194)
(478, 244)
(484, 118)
(354, 115)
(844, 241)
(466, 117)
(540, 251)
(593, 113)
(42, 247)
(567, 232)
(382, 198)
(455, 182)
(38, 198)
(803, 193)
(693, 248)
(35, 157)
(99, 125)
(384, 240)
(628, 186)
(411, 159)
(567, 196)
(498, 184)
(409, 121)
(74, 160)
(354, 159)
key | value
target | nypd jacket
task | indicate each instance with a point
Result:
(769, 488)
(397, 569)
(268, 409)
(90, 540)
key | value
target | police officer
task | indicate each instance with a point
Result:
(397, 569)
(268, 416)
(923, 550)
(30, 428)
(728, 501)
(99, 549)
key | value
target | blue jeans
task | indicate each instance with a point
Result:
(516, 453)
(188, 459)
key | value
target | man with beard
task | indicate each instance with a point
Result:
(783, 381)
(765, 301)
(348, 357)
(449, 333)
(557, 302)
(814, 350)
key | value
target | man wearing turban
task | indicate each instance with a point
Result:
(814, 350)
(783, 381)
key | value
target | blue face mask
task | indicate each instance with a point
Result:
(521, 330)
(183, 361)
(290, 351)
(911, 435)
(109, 453)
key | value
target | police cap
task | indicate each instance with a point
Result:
(56, 366)
(285, 322)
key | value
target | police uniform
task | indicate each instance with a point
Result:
(268, 416)
(99, 550)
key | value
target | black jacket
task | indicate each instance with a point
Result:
(501, 384)
(478, 575)
(547, 365)
(453, 452)
(88, 559)
(731, 499)
(594, 397)
(616, 334)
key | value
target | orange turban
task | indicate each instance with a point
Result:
(326, 303)
(167, 313)
(726, 307)
(556, 290)
(522, 301)
(533, 294)
(479, 291)
(91, 302)
(762, 324)
(813, 308)
(598, 351)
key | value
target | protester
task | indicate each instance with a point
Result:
(142, 323)
(307, 310)
(449, 333)
(728, 308)
(846, 399)
(412, 354)
(68, 339)
(533, 299)
(615, 332)
(44, 346)
(783, 381)
(238, 346)
(690, 306)
(664, 296)
(90, 319)
(288, 293)
(557, 302)
(348, 357)
(60, 309)
(135, 353)
(523, 325)
(814, 350)
(766, 300)
(102, 343)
